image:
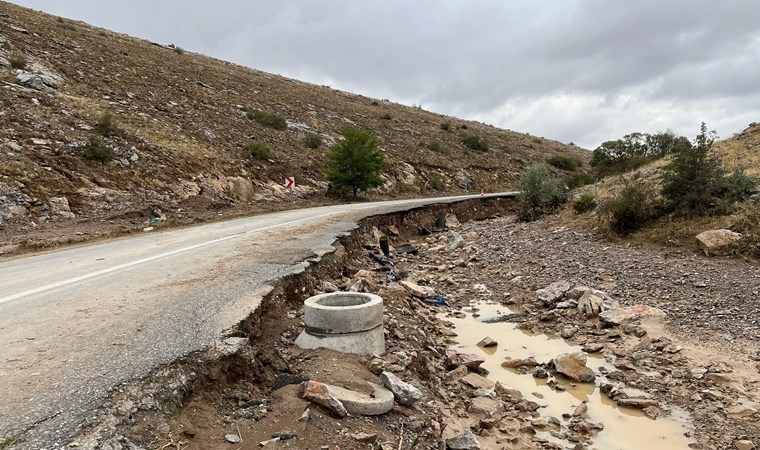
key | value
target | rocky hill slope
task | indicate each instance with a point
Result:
(178, 124)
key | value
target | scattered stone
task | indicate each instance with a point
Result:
(593, 302)
(232, 438)
(635, 402)
(405, 393)
(511, 394)
(456, 241)
(321, 394)
(617, 316)
(456, 359)
(552, 293)
(451, 221)
(593, 347)
(456, 374)
(464, 441)
(486, 406)
(510, 363)
(717, 242)
(270, 441)
(573, 366)
(568, 332)
(417, 290)
(744, 444)
(478, 382)
(365, 437)
(487, 342)
(285, 435)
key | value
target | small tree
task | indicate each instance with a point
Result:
(693, 176)
(540, 193)
(355, 162)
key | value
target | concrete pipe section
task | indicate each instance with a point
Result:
(347, 322)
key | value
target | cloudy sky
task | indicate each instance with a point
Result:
(580, 71)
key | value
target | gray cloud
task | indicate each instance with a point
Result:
(582, 71)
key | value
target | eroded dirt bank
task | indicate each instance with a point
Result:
(693, 373)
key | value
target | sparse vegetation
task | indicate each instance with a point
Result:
(463, 126)
(17, 61)
(386, 116)
(259, 150)
(313, 140)
(474, 142)
(436, 183)
(445, 126)
(695, 182)
(434, 146)
(579, 179)
(564, 162)
(10, 442)
(179, 50)
(586, 202)
(540, 193)
(354, 163)
(631, 209)
(105, 125)
(267, 119)
(97, 150)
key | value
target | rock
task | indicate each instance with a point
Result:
(638, 403)
(593, 347)
(477, 381)
(456, 241)
(573, 366)
(239, 188)
(269, 441)
(593, 302)
(455, 359)
(744, 444)
(232, 438)
(618, 316)
(60, 207)
(405, 393)
(511, 394)
(485, 406)
(231, 345)
(285, 435)
(510, 363)
(451, 221)
(568, 332)
(456, 374)
(417, 290)
(716, 242)
(552, 293)
(321, 394)
(487, 342)
(361, 404)
(364, 437)
(464, 441)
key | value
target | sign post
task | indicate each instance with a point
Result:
(290, 183)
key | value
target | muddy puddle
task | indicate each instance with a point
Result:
(624, 428)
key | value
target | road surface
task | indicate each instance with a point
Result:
(76, 323)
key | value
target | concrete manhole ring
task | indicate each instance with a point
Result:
(343, 312)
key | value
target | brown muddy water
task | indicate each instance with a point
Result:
(624, 428)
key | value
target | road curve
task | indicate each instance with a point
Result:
(76, 323)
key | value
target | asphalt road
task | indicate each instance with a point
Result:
(76, 323)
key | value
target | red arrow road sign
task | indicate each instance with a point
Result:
(290, 182)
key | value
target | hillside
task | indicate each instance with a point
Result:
(179, 131)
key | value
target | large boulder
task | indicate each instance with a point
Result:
(717, 242)
(417, 290)
(464, 441)
(573, 366)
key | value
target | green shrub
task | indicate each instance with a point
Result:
(386, 116)
(586, 202)
(630, 210)
(564, 162)
(540, 193)
(355, 163)
(18, 61)
(437, 183)
(179, 50)
(737, 186)
(445, 126)
(474, 142)
(313, 140)
(105, 125)
(267, 119)
(579, 179)
(97, 150)
(463, 126)
(259, 150)
(434, 146)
